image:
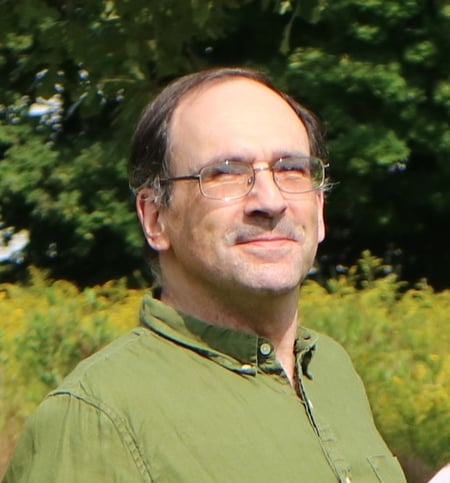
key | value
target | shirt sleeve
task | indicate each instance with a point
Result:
(69, 440)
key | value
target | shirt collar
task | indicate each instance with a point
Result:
(238, 351)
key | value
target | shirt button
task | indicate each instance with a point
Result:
(246, 368)
(265, 349)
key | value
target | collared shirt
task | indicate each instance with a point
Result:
(179, 400)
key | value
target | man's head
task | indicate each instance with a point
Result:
(150, 148)
(224, 115)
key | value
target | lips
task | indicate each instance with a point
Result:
(273, 246)
(267, 241)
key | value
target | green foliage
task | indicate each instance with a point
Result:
(49, 326)
(397, 337)
(46, 351)
(398, 340)
(375, 71)
(63, 173)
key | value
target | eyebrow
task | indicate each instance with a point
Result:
(288, 154)
(276, 155)
(231, 157)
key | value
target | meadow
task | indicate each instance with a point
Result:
(397, 336)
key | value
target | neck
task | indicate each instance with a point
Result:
(273, 316)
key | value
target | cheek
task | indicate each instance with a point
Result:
(320, 218)
(207, 232)
(320, 228)
(192, 228)
(309, 216)
(307, 212)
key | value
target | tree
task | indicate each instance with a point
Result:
(86, 69)
(375, 71)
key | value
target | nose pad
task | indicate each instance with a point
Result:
(270, 181)
(265, 196)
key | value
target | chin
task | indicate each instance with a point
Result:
(267, 280)
(272, 287)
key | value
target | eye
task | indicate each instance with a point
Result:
(292, 168)
(225, 172)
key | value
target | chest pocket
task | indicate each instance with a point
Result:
(387, 468)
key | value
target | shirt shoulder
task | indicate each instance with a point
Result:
(116, 371)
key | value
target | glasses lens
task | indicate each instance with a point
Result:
(226, 180)
(298, 174)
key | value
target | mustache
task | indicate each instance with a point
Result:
(282, 230)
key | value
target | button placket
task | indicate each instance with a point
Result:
(327, 439)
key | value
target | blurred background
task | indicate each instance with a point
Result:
(74, 76)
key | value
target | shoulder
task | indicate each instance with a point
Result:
(332, 366)
(329, 347)
(86, 420)
(329, 351)
(73, 436)
(115, 370)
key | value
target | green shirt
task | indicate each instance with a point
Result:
(179, 400)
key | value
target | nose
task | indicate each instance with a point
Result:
(265, 198)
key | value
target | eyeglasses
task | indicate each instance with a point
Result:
(231, 180)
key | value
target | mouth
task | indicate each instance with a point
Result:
(268, 237)
(272, 250)
(267, 243)
(266, 240)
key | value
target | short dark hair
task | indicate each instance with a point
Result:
(150, 147)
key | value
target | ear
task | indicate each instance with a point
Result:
(149, 213)
(320, 216)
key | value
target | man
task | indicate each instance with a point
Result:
(220, 383)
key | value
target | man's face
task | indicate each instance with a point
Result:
(264, 243)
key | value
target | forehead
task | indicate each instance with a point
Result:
(236, 114)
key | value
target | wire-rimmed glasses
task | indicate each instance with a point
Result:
(231, 180)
